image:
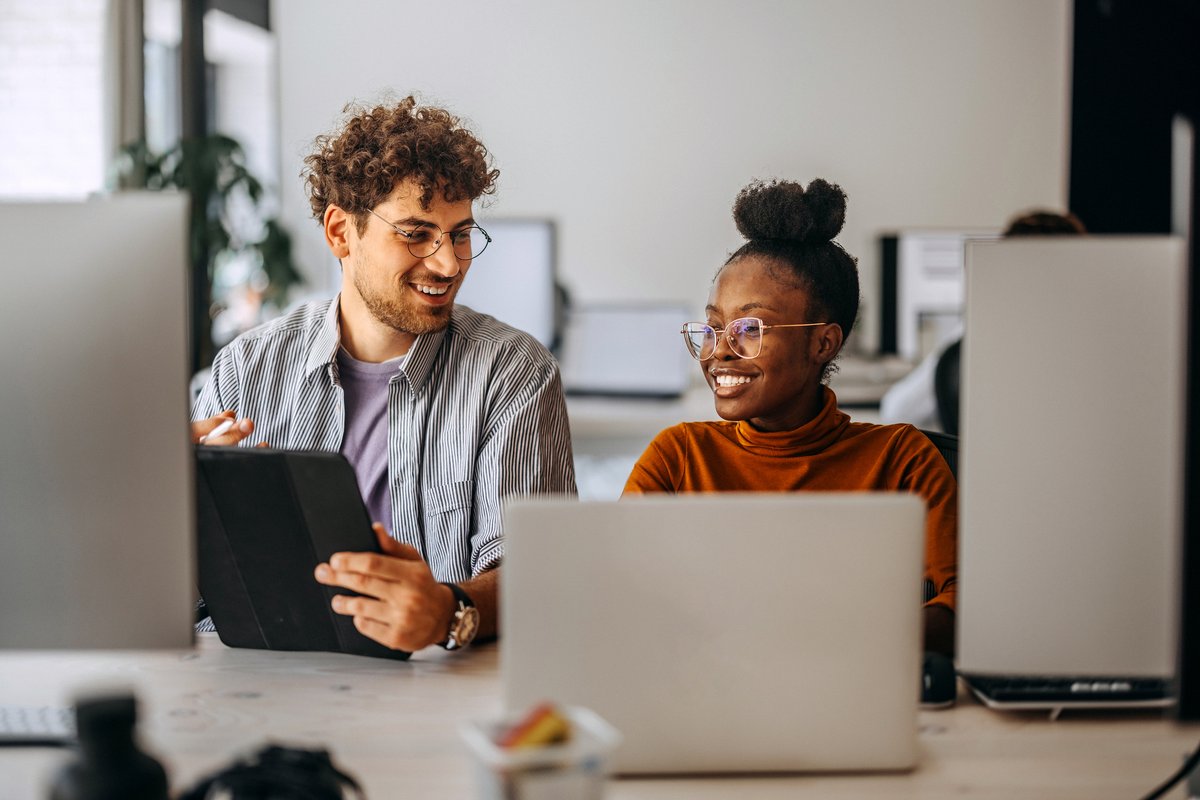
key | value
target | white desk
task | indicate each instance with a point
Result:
(609, 433)
(395, 727)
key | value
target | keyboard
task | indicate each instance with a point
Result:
(36, 726)
(1005, 691)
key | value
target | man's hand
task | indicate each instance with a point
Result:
(405, 608)
(203, 429)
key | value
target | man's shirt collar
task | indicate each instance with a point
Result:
(417, 366)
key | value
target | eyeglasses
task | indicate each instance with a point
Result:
(425, 239)
(744, 336)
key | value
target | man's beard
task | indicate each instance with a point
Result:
(402, 317)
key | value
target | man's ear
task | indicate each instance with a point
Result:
(827, 343)
(337, 231)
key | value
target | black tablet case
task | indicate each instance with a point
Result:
(265, 519)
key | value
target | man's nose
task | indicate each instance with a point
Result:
(443, 261)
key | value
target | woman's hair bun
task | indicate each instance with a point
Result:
(787, 210)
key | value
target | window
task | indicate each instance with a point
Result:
(52, 98)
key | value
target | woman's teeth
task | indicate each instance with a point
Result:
(730, 380)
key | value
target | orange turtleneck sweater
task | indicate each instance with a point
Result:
(829, 453)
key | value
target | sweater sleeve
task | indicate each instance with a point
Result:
(661, 465)
(926, 473)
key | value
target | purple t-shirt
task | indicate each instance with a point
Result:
(365, 441)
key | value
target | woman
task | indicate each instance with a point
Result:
(778, 314)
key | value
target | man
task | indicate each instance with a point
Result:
(442, 411)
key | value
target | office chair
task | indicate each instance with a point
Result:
(947, 445)
(945, 387)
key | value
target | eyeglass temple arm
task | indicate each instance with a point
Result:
(796, 325)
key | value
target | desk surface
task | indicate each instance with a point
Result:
(395, 727)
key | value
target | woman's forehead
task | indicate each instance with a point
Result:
(750, 285)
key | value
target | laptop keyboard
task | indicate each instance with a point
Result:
(36, 725)
(1070, 691)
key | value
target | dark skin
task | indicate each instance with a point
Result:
(781, 388)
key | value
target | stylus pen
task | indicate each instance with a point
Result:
(220, 430)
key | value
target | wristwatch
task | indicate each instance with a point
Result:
(465, 624)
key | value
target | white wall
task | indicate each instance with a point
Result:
(635, 122)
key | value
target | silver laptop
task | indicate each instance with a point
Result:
(722, 633)
(1071, 463)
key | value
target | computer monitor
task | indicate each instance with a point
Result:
(515, 280)
(626, 350)
(1071, 456)
(921, 297)
(96, 512)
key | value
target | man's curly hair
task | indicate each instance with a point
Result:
(359, 166)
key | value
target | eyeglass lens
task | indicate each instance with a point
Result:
(743, 335)
(467, 243)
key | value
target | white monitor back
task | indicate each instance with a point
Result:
(1071, 457)
(514, 280)
(96, 519)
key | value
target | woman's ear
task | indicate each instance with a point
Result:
(827, 342)
(337, 231)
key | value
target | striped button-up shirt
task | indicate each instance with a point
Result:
(475, 414)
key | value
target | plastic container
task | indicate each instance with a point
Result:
(575, 770)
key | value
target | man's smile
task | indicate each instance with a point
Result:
(432, 294)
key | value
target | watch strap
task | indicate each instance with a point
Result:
(460, 594)
(464, 602)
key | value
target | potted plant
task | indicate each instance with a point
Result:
(227, 220)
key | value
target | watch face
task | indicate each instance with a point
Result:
(466, 625)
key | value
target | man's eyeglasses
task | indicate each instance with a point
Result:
(743, 335)
(425, 239)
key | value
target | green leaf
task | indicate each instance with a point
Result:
(212, 169)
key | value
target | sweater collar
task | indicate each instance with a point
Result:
(811, 437)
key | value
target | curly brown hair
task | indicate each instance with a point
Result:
(360, 165)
